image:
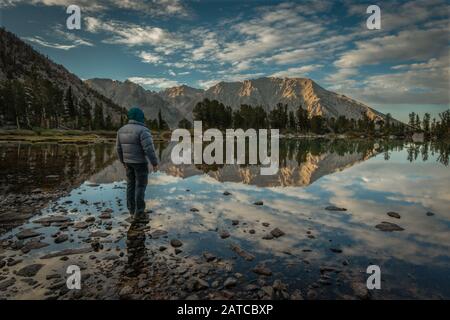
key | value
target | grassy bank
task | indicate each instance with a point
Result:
(66, 136)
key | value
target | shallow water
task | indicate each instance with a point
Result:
(367, 178)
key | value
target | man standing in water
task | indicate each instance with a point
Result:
(134, 145)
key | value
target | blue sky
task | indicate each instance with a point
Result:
(401, 68)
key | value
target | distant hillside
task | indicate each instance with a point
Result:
(179, 102)
(36, 92)
(129, 94)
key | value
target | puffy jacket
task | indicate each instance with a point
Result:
(134, 142)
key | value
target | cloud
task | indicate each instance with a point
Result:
(273, 31)
(408, 45)
(44, 43)
(157, 8)
(131, 34)
(293, 56)
(297, 72)
(149, 57)
(159, 83)
(426, 83)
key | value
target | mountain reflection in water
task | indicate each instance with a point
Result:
(302, 161)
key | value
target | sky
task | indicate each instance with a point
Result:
(402, 67)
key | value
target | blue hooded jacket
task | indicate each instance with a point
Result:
(134, 142)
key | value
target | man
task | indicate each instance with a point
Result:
(134, 145)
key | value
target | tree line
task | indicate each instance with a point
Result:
(214, 114)
(37, 102)
(439, 128)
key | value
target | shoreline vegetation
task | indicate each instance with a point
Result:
(214, 114)
(39, 135)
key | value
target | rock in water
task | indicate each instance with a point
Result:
(244, 254)
(61, 238)
(389, 227)
(268, 236)
(105, 215)
(230, 282)
(26, 233)
(53, 219)
(125, 291)
(30, 270)
(224, 234)
(277, 233)
(7, 283)
(200, 284)
(393, 214)
(261, 270)
(209, 256)
(176, 243)
(334, 208)
(81, 225)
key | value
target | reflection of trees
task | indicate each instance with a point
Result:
(28, 166)
(439, 148)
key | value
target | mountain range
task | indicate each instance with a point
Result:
(45, 85)
(178, 102)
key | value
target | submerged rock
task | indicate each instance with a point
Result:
(30, 270)
(32, 245)
(388, 227)
(230, 282)
(67, 252)
(176, 243)
(224, 234)
(262, 270)
(105, 215)
(209, 256)
(393, 214)
(26, 233)
(61, 238)
(268, 236)
(53, 219)
(334, 208)
(158, 233)
(277, 233)
(7, 283)
(244, 254)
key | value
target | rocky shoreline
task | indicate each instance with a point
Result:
(151, 263)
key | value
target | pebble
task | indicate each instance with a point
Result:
(393, 214)
(388, 227)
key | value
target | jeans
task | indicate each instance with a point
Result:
(137, 179)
